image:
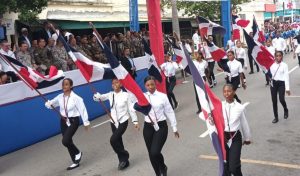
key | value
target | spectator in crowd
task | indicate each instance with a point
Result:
(24, 56)
(6, 49)
(45, 33)
(97, 52)
(41, 56)
(3, 78)
(128, 63)
(60, 56)
(84, 45)
(24, 37)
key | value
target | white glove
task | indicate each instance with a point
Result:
(97, 96)
(48, 104)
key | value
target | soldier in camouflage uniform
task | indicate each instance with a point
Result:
(86, 47)
(41, 56)
(97, 52)
(60, 56)
(24, 56)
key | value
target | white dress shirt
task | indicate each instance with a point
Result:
(201, 66)
(230, 44)
(27, 41)
(121, 107)
(161, 109)
(188, 48)
(169, 68)
(235, 68)
(71, 106)
(279, 44)
(8, 53)
(271, 49)
(196, 38)
(207, 56)
(241, 54)
(235, 119)
(280, 72)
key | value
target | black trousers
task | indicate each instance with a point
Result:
(278, 88)
(251, 62)
(235, 81)
(299, 60)
(68, 133)
(170, 84)
(117, 142)
(155, 141)
(233, 155)
(211, 75)
(196, 95)
(242, 61)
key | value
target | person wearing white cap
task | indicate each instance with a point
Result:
(24, 37)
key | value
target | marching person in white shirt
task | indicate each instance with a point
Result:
(196, 39)
(278, 42)
(201, 66)
(169, 69)
(121, 109)
(211, 65)
(156, 133)
(235, 77)
(271, 49)
(241, 56)
(279, 84)
(236, 132)
(71, 107)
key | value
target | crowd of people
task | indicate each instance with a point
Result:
(45, 50)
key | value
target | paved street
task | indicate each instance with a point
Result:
(275, 150)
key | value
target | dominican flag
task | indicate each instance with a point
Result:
(259, 53)
(216, 53)
(240, 22)
(153, 68)
(178, 51)
(235, 29)
(257, 34)
(90, 70)
(207, 27)
(125, 78)
(35, 79)
(212, 112)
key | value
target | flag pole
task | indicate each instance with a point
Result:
(100, 39)
(37, 91)
(93, 89)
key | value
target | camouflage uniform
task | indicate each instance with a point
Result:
(87, 49)
(98, 54)
(25, 58)
(41, 58)
(59, 58)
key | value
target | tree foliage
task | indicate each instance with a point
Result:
(208, 9)
(27, 9)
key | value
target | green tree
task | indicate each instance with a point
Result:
(208, 9)
(27, 9)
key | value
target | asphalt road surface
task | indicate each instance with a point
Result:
(275, 150)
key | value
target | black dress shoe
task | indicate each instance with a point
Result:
(123, 165)
(286, 114)
(251, 72)
(163, 172)
(73, 166)
(275, 120)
